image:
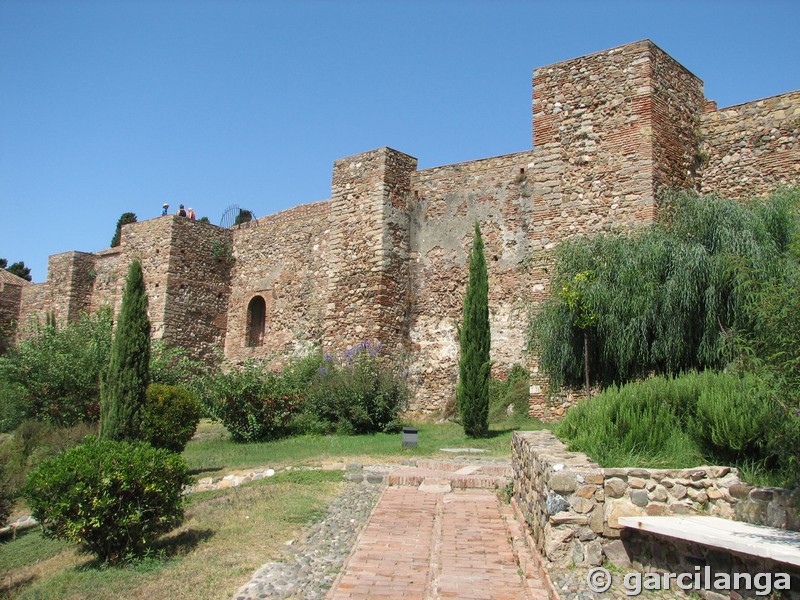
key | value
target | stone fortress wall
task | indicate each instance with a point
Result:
(385, 258)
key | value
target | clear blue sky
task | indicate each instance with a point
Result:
(114, 106)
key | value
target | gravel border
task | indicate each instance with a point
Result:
(313, 563)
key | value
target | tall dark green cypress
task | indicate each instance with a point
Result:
(123, 392)
(125, 219)
(474, 336)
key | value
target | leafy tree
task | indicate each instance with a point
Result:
(125, 219)
(244, 216)
(124, 391)
(671, 298)
(18, 268)
(203, 220)
(575, 295)
(770, 346)
(474, 336)
(53, 374)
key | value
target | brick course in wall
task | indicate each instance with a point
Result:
(385, 259)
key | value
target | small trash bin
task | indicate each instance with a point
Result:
(410, 437)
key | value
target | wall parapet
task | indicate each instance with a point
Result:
(572, 505)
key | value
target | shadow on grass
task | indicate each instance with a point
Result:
(17, 533)
(11, 585)
(491, 434)
(161, 552)
(201, 470)
(182, 543)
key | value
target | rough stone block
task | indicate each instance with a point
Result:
(615, 488)
(614, 509)
(639, 497)
(554, 503)
(656, 510)
(740, 491)
(581, 505)
(558, 547)
(659, 494)
(593, 553)
(563, 481)
(568, 518)
(616, 553)
(678, 491)
(597, 520)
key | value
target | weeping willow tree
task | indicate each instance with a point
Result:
(671, 298)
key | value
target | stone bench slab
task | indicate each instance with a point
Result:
(779, 545)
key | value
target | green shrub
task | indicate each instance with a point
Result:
(474, 339)
(733, 418)
(34, 442)
(124, 386)
(302, 370)
(113, 498)
(13, 405)
(670, 298)
(173, 365)
(171, 415)
(514, 392)
(706, 417)
(634, 425)
(54, 374)
(252, 403)
(6, 495)
(356, 393)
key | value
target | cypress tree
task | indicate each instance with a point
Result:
(123, 393)
(125, 219)
(472, 393)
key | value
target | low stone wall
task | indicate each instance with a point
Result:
(573, 506)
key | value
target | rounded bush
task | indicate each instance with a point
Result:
(171, 415)
(253, 404)
(358, 393)
(112, 497)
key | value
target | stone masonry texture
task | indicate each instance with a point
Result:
(385, 259)
(572, 506)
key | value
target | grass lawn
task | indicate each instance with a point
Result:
(227, 534)
(212, 452)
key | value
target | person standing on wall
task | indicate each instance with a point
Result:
(181, 211)
(164, 209)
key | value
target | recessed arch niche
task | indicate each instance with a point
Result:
(256, 321)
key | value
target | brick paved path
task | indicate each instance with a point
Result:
(428, 543)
